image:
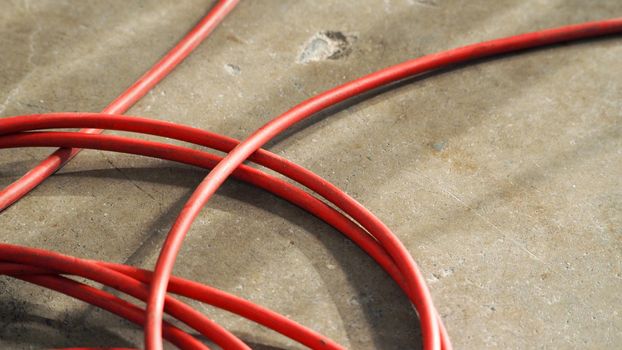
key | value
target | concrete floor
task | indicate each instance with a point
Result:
(503, 178)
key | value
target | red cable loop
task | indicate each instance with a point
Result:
(42, 267)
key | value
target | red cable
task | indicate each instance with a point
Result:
(202, 159)
(78, 267)
(98, 298)
(127, 99)
(254, 176)
(194, 157)
(423, 302)
(204, 294)
(189, 134)
(586, 32)
(197, 136)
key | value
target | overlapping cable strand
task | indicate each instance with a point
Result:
(331, 205)
(125, 101)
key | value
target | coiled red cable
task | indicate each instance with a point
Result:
(384, 245)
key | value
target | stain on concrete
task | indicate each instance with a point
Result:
(326, 45)
(232, 69)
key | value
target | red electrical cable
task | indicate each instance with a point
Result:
(549, 36)
(429, 318)
(254, 176)
(183, 133)
(121, 104)
(98, 298)
(193, 157)
(119, 281)
(206, 160)
(197, 136)
(204, 294)
(190, 156)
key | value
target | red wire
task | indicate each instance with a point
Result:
(206, 160)
(193, 157)
(75, 266)
(127, 99)
(204, 294)
(190, 156)
(206, 138)
(98, 298)
(519, 42)
(156, 127)
(423, 302)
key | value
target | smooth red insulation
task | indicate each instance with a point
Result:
(423, 300)
(98, 298)
(372, 235)
(194, 291)
(121, 104)
(119, 281)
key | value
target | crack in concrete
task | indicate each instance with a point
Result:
(129, 178)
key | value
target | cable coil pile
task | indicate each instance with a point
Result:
(48, 269)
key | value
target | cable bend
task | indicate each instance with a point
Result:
(372, 235)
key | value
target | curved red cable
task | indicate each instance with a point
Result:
(127, 99)
(121, 282)
(396, 258)
(98, 298)
(244, 173)
(414, 278)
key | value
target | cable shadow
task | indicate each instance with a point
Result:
(370, 95)
(21, 323)
(153, 239)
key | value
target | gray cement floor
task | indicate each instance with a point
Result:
(503, 178)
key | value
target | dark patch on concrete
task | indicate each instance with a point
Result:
(432, 3)
(234, 38)
(232, 69)
(439, 146)
(326, 45)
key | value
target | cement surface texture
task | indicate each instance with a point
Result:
(503, 178)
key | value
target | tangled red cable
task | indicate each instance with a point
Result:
(46, 268)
